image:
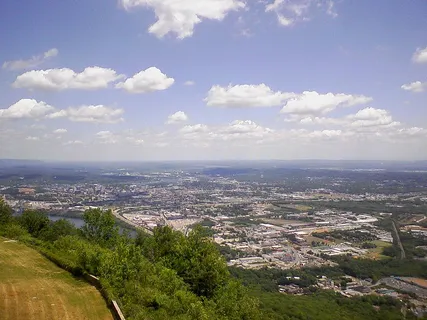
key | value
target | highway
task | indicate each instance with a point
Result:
(402, 251)
(118, 216)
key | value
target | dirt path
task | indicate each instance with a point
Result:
(33, 288)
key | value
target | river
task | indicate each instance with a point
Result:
(79, 222)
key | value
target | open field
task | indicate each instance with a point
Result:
(32, 287)
(418, 281)
(309, 239)
(376, 253)
(279, 207)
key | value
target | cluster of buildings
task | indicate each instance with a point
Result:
(247, 216)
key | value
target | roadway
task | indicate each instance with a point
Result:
(131, 223)
(399, 243)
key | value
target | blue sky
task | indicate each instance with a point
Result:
(213, 79)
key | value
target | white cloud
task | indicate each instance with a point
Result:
(412, 132)
(289, 12)
(238, 130)
(312, 103)
(50, 53)
(62, 79)
(129, 136)
(371, 117)
(245, 95)
(178, 116)
(420, 55)
(94, 114)
(60, 131)
(149, 80)
(197, 128)
(33, 62)
(180, 17)
(107, 137)
(416, 86)
(31, 138)
(322, 134)
(311, 120)
(189, 83)
(73, 142)
(364, 118)
(245, 127)
(26, 108)
(104, 134)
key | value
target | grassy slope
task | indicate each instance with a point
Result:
(31, 287)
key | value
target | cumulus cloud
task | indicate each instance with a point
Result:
(26, 108)
(91, 113)
(416, 86)
(322, 134)
(289, 12)
(189, 83)
(420, 55)
(177, 117)
(90, 78)
(149, 80)
(312, 103)
(238, 130)
(364, 118)
(371, 117)
(181, 17)
(60, 131)
(245, 127)
(33, 62)
(245, 95)
(73, 142)
(197, 128)
(313, 120)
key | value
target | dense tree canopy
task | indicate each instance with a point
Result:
(100, 226)
(34, 221)
(5, 212)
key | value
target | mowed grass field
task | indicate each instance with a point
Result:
(32, 287)
(376, 253)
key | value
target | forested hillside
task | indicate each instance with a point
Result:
(171, 276)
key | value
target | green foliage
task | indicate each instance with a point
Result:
(5, 213)
(410, 244)
(376, 269)
(391, 251)
(58, 229)
(165, 276)
(100, 226)
(194, 258)
(368, 245)
(13, 231)
(172, 276)
(34, 222)
(226, 297)
(325, 305)
(227, 252)
(269, 279)
(346, 235)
